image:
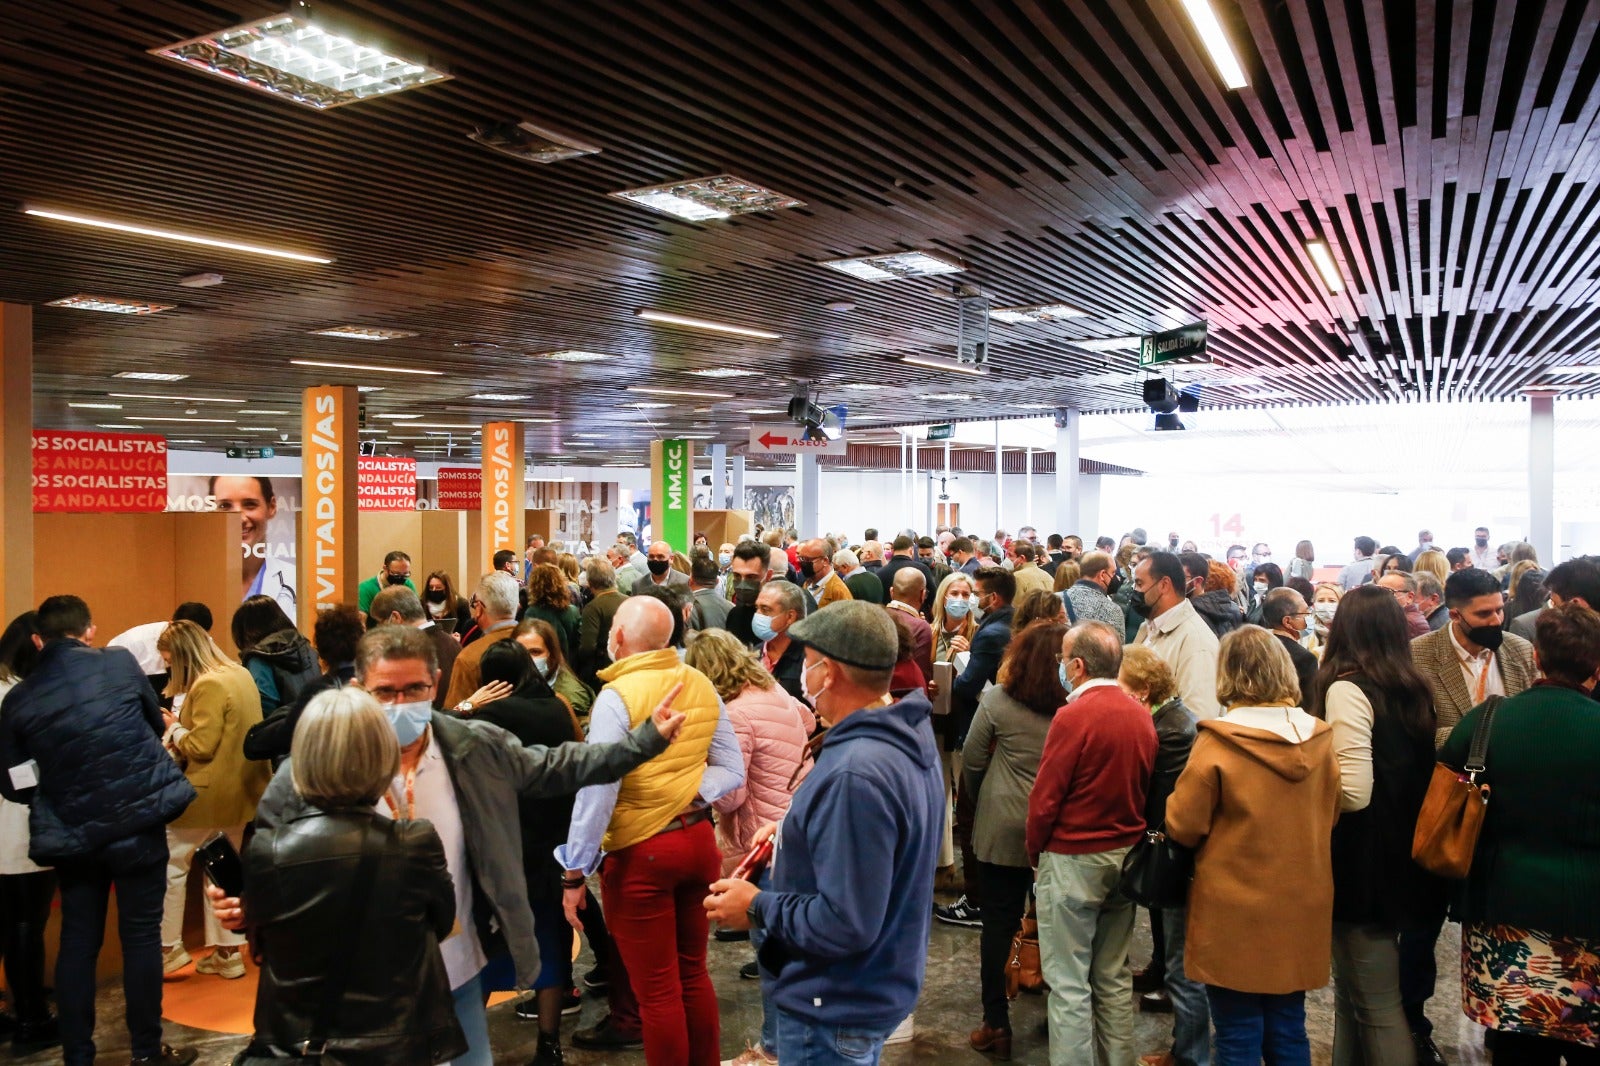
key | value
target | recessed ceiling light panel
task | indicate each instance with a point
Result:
(893, 265)
(363, 333)
(1323, 259)
(1039, 313)
(702, 199)
(109, 304)
(573, 355)
(148, 375)
(724, 372)
(293, 58)
(507, 396)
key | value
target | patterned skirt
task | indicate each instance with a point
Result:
(1524, 981)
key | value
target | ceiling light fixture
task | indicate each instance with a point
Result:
(862, 386)
(369, 388)
(200, 281)
(119, 425)
(531, 143)
(535, 421)
(110, 305)
(948, 396)
(396, 417)
(1323, 258)
(1038, 313)
(443, 425)
(690, 393)
(148, 375)
(573, 355)
(723, 372)
(363, 333)
(367, 366)
(97, 406)
(1107, 344)
(643, 406)
(702, 199)
(211, 421)
(668, 319)
(176, 399)
(169, 235)
(937, 362)
(263, 411)
(507, 396)
(294, 58)
(892, 265)
(1223, 57)
(1032, 406)
(274, 429)
(1573, 370)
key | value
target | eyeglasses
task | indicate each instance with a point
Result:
(410, 694)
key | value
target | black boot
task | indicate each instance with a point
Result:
(549, 1051)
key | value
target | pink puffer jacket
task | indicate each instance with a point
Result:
(772, 727)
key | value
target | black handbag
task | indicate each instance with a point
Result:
(1156, 872)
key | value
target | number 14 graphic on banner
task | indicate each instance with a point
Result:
(1234, 525)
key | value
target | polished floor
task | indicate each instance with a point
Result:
(948, 1010)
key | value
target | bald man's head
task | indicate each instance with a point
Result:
(909, 586)
(643, 623)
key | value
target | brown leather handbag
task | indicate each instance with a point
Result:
(1023, 970)
(1453, 811)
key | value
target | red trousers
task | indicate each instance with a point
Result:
(654, 896)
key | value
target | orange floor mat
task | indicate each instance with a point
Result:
(219, 1005)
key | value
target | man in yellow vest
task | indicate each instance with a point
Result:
(651, 837)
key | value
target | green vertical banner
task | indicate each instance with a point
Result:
(672, 492)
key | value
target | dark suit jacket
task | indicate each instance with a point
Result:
(1305, 667)
(1436, 658)
(444, 646)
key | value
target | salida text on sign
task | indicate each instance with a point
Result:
(99, 472)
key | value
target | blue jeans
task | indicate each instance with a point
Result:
(769, 1013)
(1253, 1028)
(474, 1018)
(802, 1042)
(1191, 1019)
(137, 867)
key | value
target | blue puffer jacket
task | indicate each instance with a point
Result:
(91, 721)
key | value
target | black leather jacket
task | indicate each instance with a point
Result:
(397, 1008)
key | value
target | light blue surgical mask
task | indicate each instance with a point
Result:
(761, 626)
(542, 664)
(957, 608)
(725, 560)
(1066, 682)
(409, 719)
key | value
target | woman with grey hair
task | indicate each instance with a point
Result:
(345, 908)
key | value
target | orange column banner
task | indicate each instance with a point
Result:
(329, 453)
(504, 491)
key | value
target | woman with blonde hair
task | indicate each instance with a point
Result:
(1258, 800)
(217, 703)
(1433, 562)
(1324, 605)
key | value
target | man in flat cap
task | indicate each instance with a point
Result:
(845, 923)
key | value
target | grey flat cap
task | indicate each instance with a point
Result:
(853, 632)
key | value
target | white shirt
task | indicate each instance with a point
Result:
(1484, 558)
(1093, 682)
(14, 825)
(141, 641)
(1476, 670)
(435, 799)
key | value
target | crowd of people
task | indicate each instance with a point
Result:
(799, 743)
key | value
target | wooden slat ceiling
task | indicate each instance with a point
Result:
(1081, 152)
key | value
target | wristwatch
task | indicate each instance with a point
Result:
(752, 916)
(464, 707)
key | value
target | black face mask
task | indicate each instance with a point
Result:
(745, 590)
(398, 579)
(436, 595)
(1140, 605)
(808, 569)
(1482, 542)
(1490, 637)
(658, 566)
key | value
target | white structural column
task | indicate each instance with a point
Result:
(1027, 481)
(1542, 477)
(905, 488)
(808, 508)
(1069, 480)
(738, 482)
(999, 477)
(908, 517)
(719, 477)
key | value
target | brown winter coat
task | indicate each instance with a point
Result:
(1261, 809)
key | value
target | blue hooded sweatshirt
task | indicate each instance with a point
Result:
(851, 901)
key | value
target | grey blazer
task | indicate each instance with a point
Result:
(1522, 625)
(1436, 659)
(1002, 780)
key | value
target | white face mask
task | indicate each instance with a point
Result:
(805, 684)
(1324, 611)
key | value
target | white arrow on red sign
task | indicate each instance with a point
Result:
(790, 440)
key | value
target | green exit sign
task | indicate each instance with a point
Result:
(943, 432)
(1174, 345)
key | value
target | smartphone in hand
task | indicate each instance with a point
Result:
(223, 867)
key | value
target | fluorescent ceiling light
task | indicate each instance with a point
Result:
(951, 396)
(573, 355)
(1209, 27)
(397, 418)
(1032, 406)
(594, 436)
(178, 399)
(369, 388)
(367, 366)
(1039, 313)
(363, 333)
(536, 421)
(723, 372)
(691, 393)
(212, 421)
(1323, 258)
(700, 323)
(109, 304)
(274, 429)
(374, 430)
(701, 199)
(293, 58)
(767, 411)
(263, 411)
(97, 406)
(169, 235)
(696, 436)
(1573, 369)
(508, 396)
(893, 265)
(119, 425)
(148, 375)
(936, 362)
(185, 442)
(862, 386)
(647, 406)
(444, 425)
(1107, 344)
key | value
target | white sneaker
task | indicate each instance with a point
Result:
(229, 966)
(752, 1056)
(903, 1032)
(174, 959)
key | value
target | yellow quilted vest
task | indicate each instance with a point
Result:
(653, 794)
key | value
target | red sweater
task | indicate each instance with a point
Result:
(1090, 793)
